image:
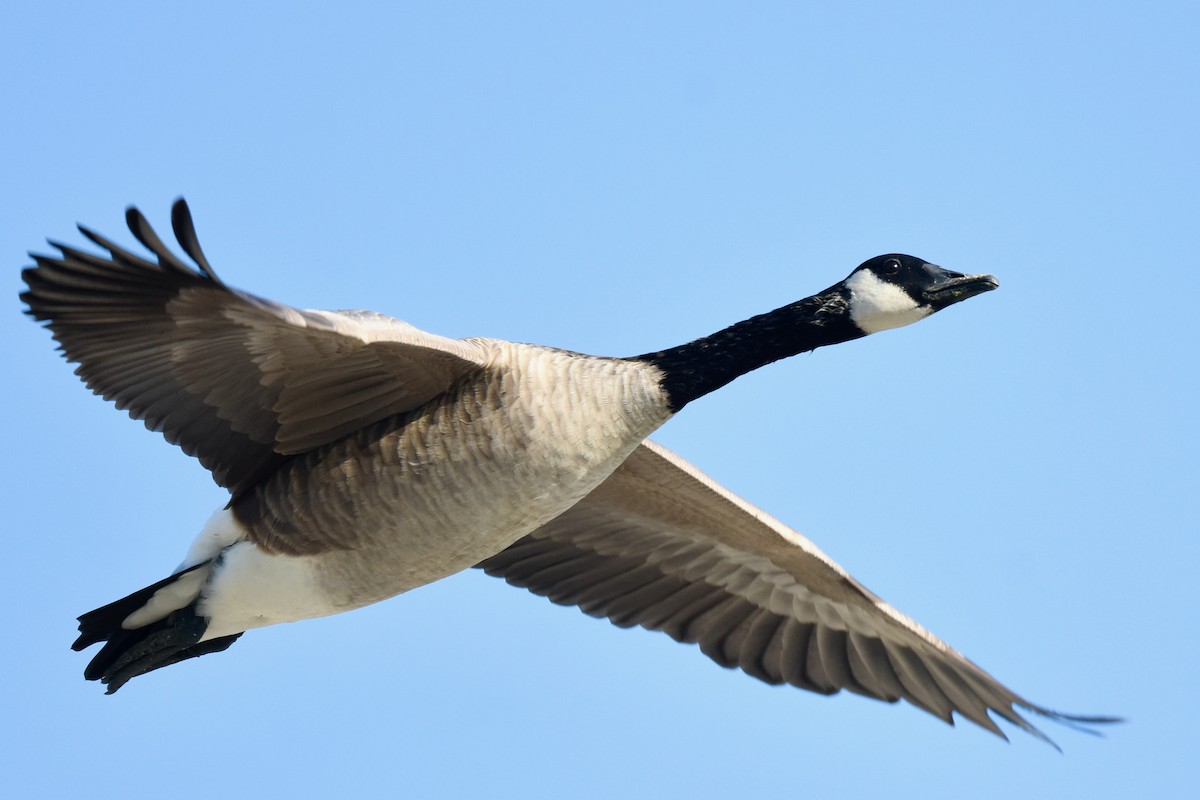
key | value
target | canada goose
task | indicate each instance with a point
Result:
(365, 458)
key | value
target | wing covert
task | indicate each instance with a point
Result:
(661, 545)
(238, 381)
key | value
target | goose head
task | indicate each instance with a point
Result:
(893, 290)
(885, 292)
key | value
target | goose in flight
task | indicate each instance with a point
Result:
(365, 458)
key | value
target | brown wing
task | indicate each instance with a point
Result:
(661, 545)
(237, 381)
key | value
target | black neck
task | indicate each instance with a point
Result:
(694, 369)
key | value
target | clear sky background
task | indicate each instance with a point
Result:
(1018, 473)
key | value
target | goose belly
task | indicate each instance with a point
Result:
(421, 497)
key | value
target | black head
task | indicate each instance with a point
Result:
(893, 290)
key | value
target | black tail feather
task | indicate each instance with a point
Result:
(104, 623)
(128, 653)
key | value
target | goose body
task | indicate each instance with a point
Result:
(366, 458)
(421, 496)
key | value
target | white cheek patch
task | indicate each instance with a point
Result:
(877, 305)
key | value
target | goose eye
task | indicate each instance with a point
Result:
(891, 266)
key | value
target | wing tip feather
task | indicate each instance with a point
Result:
(185, 233)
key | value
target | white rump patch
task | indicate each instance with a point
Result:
(876, 305)
(219, 532)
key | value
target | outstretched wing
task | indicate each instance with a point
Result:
(661, 545)
(237, 381)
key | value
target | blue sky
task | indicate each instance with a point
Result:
(1018, 474)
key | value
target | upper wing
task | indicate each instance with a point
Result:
(661, 545)
(235, 380)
